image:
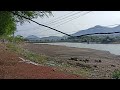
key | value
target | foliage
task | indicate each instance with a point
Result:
(27, 54)
(16, 39)
(116, 74)
(96, 39)
(29, 14)
(8, 19)
(7, 24)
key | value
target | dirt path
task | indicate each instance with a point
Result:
(11, 67)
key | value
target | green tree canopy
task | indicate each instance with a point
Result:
(8, 19)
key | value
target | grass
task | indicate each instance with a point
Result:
(116, 74)
(76, 71)
(65, 67)
(27, 54)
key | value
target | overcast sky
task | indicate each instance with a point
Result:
(69, 21)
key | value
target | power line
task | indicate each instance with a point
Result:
(60, 33)
(46, 23)
(41, 24)
(62, 23)
(70, 20)
(66, 22)
(59, 17)
(63, 32)
(74, 18)
(64, 18)
(68, 32)
(92, 33)
(53, 27)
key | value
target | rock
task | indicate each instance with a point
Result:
(99, 61)
(74, 58)
(86, 60)
(95, 66)
(53, 70)
(82, 65)
(112, 65)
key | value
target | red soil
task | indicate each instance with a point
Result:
(11, 68)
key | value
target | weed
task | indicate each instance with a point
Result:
(116, 74)
(27, 54)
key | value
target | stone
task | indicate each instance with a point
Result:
(74, 58)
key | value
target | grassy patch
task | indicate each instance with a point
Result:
(27, 54)
(116, 74)
(65, 67)
(35, 57)
(74, 70)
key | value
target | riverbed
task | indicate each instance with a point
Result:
(103, 63)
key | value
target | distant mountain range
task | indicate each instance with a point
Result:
(55, 38)
(32, 38)
(95, 29)
(98, 29)
(50, 38)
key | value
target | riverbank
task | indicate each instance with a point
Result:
(13, 66)
(94, 63)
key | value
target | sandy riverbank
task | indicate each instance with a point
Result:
(102, 62)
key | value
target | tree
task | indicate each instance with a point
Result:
(7, 24)
(8, 19)
(29, 14)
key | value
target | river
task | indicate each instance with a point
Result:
(112, 48)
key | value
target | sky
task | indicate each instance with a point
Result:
(68, 22)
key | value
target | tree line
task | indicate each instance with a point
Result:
(95, 39)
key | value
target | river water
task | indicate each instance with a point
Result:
(112, 48)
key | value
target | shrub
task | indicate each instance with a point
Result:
(116, 74)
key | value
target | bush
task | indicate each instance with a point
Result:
(116, 74)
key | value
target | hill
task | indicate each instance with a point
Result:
(98, 29)
(50, 38)
(32, 38)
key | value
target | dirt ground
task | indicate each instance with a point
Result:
(102, 62)
(12, 67)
